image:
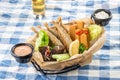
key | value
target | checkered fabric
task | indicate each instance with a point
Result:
(16, 18)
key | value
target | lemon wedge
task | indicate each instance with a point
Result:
(74, 47)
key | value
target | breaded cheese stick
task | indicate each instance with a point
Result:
(80, 24)
(84, 40)
(72, 31)
(77, 36)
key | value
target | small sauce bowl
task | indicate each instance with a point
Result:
(101, 21)
(22, 52)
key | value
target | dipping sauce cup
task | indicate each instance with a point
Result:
(101, 16)
(22, 52)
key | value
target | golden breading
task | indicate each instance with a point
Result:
(84, 40)
(52, 30)
(72, 31)
(52, 37)
(64, 35)
(80, 24)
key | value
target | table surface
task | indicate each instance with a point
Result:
(16, 18)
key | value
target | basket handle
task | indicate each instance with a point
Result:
(67, 69)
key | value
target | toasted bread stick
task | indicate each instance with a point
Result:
(80, 24)
(84, 40)
(72, 31)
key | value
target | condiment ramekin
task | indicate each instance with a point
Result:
(22, 59)
(102, 22)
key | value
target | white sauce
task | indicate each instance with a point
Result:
(101, 15)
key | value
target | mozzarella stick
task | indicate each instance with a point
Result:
(87, 21)
(80, 24)
(87, 32)
(84, 40)
(77, 36)
(72, 31)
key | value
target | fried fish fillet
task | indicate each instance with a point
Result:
(52, 37)
(52, 30)
(63, 35)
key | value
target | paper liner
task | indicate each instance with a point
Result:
(81, 59)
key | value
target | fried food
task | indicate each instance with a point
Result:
(64, 35)
(84, 40)
(80, 24)
(73, 37)
(52, 37)
(34, 30)
(77, 36)
(87, 21)
(63, 25)
(52, 30)
(72, 31)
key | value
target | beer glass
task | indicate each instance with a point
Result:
(38, 8)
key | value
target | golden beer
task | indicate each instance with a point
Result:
(38, 7)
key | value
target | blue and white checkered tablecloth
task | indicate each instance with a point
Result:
(16, 18)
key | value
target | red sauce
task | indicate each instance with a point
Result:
(79, 32)
(22, 50)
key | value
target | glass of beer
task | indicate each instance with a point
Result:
(38, 7)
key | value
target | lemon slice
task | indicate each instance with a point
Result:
(74, 47)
